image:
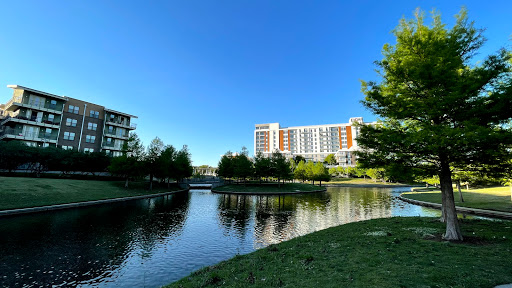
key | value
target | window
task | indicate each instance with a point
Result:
(92, 126)
(67, 147)
(94, 114)
(110, 129)
(109, 140)
(90, 138)
(73, 109)
(88, 150)
(51, 118)
(69, 136)
(48, 132)
(71, 122)
(53, 104)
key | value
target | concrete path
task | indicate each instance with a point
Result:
(475, 211)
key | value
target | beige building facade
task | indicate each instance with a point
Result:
(313, 142)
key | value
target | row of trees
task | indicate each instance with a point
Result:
(15, 155)
(157, 161)
(241, 167)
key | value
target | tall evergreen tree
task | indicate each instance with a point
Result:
(438, 109)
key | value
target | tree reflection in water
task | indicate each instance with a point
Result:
(73, 246)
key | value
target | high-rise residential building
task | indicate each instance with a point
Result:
(312, 142)
(43, 119)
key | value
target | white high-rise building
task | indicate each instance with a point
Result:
(312, 142)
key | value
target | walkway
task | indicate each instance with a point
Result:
(475, 211)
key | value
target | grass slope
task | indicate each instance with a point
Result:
(495, 198)
(362, 181)
(391, 252)
(268, 187)
(19, 192)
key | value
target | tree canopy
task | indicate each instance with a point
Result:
(438, 109)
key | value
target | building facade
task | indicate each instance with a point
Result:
(313, 142)
(43, 119)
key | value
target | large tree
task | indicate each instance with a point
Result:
(439, 110)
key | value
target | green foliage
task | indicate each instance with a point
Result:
(333, 171)
(262, 166)
(438, 109)
(330, 159)
(226, 168)
(183, 164)
(300, 171)
(280, 166)
(298, 158)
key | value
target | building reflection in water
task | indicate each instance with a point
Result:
(282, 217)
(74, 246)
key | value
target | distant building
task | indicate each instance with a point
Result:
(43, 119)
(312, 142)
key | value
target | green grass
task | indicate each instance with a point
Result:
(20, 192)
(495, 198)
(268, 188)
(390, 252)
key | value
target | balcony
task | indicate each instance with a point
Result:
(123, 124)
(118, 135)
(32, 121)
(19, 134)
(112, 146)
(18, 102)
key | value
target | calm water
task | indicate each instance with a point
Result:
(149, 243)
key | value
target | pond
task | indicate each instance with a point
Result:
(152, 242)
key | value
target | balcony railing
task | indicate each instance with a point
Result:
(122, 123)
(34, 119)
(112, 145)
(37, 104)
(38, 136)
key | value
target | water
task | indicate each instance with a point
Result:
(150, 243)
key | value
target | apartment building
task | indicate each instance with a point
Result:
(43, 119)
(312, 142)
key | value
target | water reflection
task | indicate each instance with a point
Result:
(74, 246)
(153, 242)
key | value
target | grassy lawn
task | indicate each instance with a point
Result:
(268, 187)
(495, 198)
(361, 181)
(19, 192)
(389, 252)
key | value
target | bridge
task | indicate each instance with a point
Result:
(204, 182)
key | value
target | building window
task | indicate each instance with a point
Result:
(92, 126)
(88, 150)
(53, 104)
(110, 129)
(94, 114)
(67, 147)
(51, 118)
(90, 138)
(73, 109)
(69, 136)
(71, 122)
(47, 132)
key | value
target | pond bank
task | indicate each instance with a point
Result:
(389, 252)
(268, 189)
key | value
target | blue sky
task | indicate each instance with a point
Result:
(202, 73)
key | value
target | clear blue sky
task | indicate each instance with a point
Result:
(202, 73)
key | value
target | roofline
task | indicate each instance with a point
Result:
(37, 91)
(121, 113)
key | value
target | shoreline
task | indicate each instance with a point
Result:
(29, 210)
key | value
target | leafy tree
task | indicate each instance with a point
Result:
(155, 149)
(13, 154)
(342, 170)
(374, 173)
(262, 166)
(184, 167)
(360, 172)
(131, 164)
(310, 171)
(281, 167)
(438, 109)
(299, 158)
(330, 159)
(300, 171)
(333, 171)
(320, 173)
(350, 171)
(225, 168)
(243, 167)
(167, 164)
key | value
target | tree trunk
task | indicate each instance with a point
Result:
(460, 192)
(278, 182)
(320, 183)
(453, 232)
(126, 183)
(150, 182)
